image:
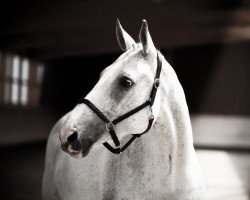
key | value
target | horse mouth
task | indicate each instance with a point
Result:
(73, 153)
(78, 149)
(74, 150)
(76, 154)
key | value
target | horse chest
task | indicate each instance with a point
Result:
(134, 179)
(135, 174)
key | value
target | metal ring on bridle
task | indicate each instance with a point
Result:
(109, 126)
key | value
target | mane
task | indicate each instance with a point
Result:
(174, 97)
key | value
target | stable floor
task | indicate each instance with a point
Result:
(227, 173)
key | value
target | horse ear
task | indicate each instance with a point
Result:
(125, 41)
(145, 38)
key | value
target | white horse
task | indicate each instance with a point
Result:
(161, 164)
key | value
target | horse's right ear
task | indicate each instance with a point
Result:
(145, 39)
(125, 41)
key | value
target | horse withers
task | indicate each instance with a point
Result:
(131, 133)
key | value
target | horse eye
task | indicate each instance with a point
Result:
(125, 82)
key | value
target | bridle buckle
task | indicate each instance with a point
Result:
(109, 126)
(151, 115)
(157, 83)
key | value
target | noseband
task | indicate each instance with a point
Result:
(110, 124)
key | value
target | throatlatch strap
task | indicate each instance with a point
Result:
(112, 149)
(114, 138)
(126, 145)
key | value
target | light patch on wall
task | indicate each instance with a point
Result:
(21, 80)
(15, 80)
(25, 79)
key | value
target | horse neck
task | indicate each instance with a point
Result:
(174, 116)
(172, 130)
(174, 107)
(166, 152)
(171, 134)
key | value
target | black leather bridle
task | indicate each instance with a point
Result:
(110, 124)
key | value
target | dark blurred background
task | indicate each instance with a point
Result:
(51, 54)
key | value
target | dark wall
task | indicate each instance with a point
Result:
(67, 80)
(216, 78)
(45, 29)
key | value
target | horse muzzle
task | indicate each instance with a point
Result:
(72, 146)
(76, 146)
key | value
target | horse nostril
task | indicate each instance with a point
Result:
(64, 146)
(72, 137)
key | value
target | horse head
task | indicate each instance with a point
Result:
(123, 86)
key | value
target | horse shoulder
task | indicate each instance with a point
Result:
(53, 146)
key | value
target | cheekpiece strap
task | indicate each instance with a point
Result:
(156, 81)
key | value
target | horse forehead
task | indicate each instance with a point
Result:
(131, 63)
(129, 60)
(132, 55)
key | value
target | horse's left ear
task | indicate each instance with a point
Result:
(125, 41)
(145, 39)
